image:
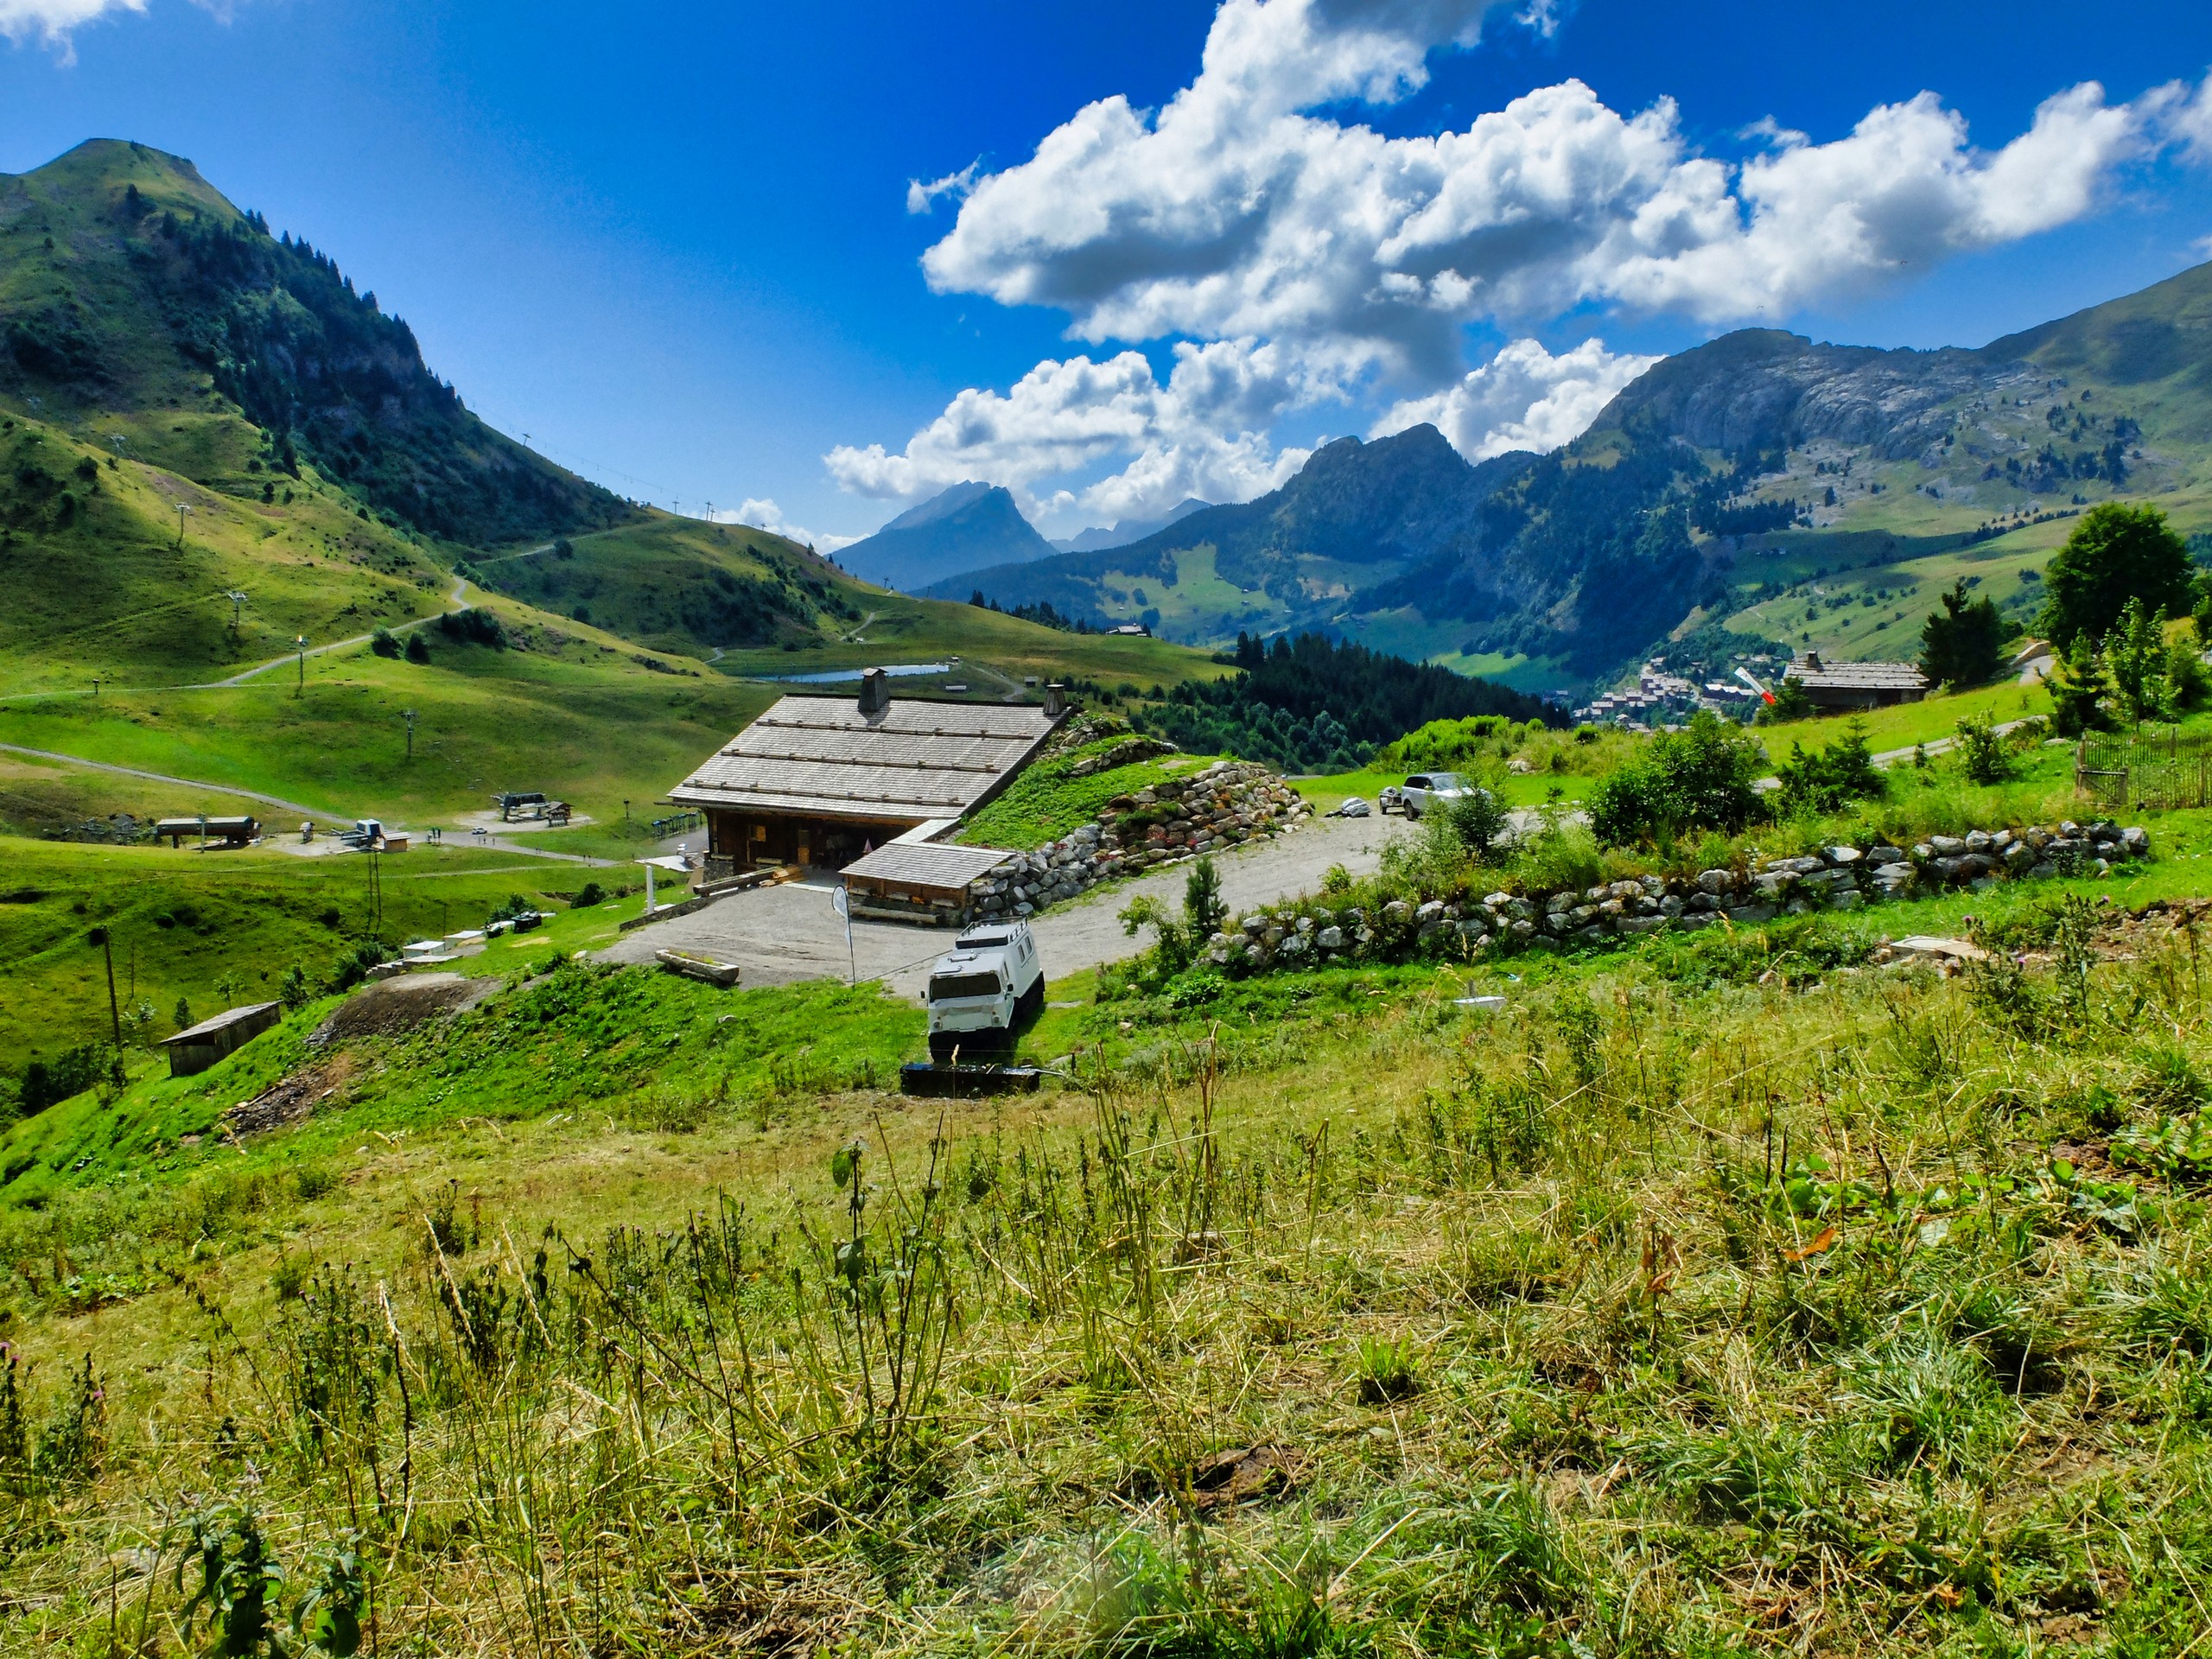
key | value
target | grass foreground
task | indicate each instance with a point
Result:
(1733, 1293)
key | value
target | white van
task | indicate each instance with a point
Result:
(983, 989)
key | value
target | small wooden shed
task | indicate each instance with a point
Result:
(919, 881)
(232, 832)
(200, 1046)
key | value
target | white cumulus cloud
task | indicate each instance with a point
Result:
(760, 512)
(1252, 216)
(51, 21)
(1202, 432)
(1236, 210)
(1522, 399)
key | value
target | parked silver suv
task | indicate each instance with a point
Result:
(1426, 788)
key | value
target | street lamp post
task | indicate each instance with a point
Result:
(181, 511)
(408, 714)
(300, 645)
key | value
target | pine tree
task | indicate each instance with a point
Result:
(2078, 690)
(1963, 643)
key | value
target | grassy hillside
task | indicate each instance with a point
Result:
(99, 585)
(130, 291)
(222, 928)
(565, 716)
(680, 585)
(1727, 1292)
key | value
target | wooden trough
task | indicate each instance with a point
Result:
(692, 965)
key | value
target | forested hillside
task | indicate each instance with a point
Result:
(130, 288)
(1311, 704)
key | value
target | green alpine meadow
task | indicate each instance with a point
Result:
(1274, 830)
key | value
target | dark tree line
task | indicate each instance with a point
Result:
(1311, 704)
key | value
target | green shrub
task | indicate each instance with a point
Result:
(384, 644)
(1700, 777)
(474, 627)
(1981, 754)
(1831, 779)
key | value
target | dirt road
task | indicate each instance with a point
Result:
(789, 932)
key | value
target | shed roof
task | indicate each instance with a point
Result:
(916, 758)
(1858, 677)
(219, 1023)
(926, 864)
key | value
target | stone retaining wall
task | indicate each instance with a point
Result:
(1836, 878)
(1208, 811)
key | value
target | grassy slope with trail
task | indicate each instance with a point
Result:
(182, 923)
(1668, 1302)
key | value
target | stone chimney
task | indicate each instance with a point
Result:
(1056, 700)
(875, 692)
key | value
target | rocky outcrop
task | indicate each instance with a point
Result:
(1835, 877)
(1209, 811)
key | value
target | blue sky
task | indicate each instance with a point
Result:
(674, 245)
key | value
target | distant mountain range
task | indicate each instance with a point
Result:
(973, 526)
(1125, 531)
(1723, 468)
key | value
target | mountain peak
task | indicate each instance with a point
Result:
(944, 503)
(967, 527)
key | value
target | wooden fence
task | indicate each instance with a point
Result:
(2146, 770)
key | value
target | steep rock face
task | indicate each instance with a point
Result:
(1761, 388)
(970, 527)
(129, 284)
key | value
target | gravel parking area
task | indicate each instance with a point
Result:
(789, 932)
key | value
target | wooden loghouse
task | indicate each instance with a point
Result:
(1857, 685)
(819, 781)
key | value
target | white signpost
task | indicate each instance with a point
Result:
(841, 900)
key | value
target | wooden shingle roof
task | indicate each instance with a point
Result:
(927, 864)
(913, 760)
(1858, 677)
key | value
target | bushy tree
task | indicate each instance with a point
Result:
(418, 649)
(2118, 552)
(2078, 692)
(475, 626)
(1791, 701)
(1832, 777)
(2135, 658)
(1700, 777)
(1981, 753)
(384, 644)
(1963, 643)
(1478, 822)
